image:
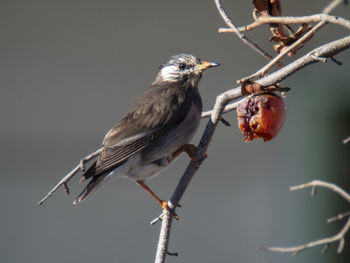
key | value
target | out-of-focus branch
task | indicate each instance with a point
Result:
(345, 141)
(338, 217)
(339, 237)
(221, 102)
(318, 183)
(332, 5)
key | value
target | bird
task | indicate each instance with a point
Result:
(157, 128)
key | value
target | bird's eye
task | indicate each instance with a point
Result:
(182, 66)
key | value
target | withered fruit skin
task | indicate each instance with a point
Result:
(261, 116)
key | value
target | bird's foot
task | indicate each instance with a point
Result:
(164, 205)
(191, 149)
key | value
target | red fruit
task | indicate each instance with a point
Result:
(261, 115)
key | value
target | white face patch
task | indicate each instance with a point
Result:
(170, 73)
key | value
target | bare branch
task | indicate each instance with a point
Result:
(339, 63)
(327, 50)
(163, 241)
(338, 217)
(292, 47)
(229, 107)
(331, 6)
(221, 102)
(292, 20)
(235, 30)
(301, 40)
(339, 237)
(336, 238)
(65, 179)
(318, 183)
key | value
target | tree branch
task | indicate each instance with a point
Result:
(295, 45)
(346, 140)
(235, 30)
(332, 5)
(228, 108)
(338, 217)
(221, 102)
(65, 180)
(300, 41)
(291, 20)
(339, 237)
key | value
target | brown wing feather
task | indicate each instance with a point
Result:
(143, 123)
(112, 156)
(149, 117)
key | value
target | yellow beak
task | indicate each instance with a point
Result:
(205, 64)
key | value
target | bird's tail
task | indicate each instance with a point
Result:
(92, 185)
(88, 173)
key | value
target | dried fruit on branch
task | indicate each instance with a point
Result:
(267, 8)
(261, 116)
(285, 41)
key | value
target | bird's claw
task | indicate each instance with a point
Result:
(199, 159)
(164, 205)
(191, 149)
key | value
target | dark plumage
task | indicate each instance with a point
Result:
(162, 119)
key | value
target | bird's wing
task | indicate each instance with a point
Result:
(153, 111)
(113, 156)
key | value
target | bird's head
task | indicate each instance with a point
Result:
(183, 69)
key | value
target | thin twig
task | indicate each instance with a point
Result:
(65, 179)
(222, 100)
(318, 183)
(324, 249)
(336, 238)
(158, 218)
(173, 254)
(331, 6)
(235, 30)
(339, 237)
(292, 20)
(300, 41)
(339, 63)
(323, 60)
(338, 217)
(345, 141)
(229, 107)
(225, 122)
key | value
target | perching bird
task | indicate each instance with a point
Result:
(156, 129)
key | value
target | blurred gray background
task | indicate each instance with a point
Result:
(69, 71)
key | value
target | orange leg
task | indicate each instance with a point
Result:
(190, 149)
(162, 203)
